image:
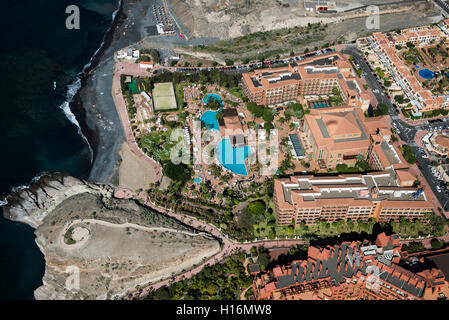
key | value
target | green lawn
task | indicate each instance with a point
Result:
(133, 86)
(156, 144)
(238, 92)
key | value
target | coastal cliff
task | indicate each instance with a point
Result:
(114, 246)
(31, 205)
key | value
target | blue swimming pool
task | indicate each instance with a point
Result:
(197, 180)
(209, 118)
(417, 67)
(320, 105)
(233, 158)
(209, 96)
(426, 74)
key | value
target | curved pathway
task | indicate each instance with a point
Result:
(132, 225)
(228, 245)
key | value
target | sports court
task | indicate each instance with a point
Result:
(164, 96)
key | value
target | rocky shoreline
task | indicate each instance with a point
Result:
(31, 205)
(95, 111)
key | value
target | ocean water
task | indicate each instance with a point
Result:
(38, 131)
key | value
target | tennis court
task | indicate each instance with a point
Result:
(164, 96)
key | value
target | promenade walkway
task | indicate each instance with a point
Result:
(120, 104)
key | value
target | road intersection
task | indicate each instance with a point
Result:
(405, 131)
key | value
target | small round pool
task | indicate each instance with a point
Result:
(426, 74)
(197, 180)
(417, 67)
(213, 96)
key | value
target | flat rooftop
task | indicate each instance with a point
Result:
(350, 186)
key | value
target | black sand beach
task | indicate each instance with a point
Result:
(94, 106)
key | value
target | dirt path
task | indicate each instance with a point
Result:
(132, 225)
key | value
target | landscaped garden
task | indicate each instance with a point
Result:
(222, 281)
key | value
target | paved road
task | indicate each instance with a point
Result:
(405, 131)
(443, 6)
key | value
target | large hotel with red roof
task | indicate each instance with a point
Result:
(385, 194)
(382, 195)
(338, 134)
(353, 271)
(306, 81)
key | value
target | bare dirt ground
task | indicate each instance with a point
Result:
(123, 245)
(282, 29)
(226, 19)
(134, 172)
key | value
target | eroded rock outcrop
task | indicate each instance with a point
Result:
(31, 205)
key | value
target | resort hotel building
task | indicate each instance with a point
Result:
(344, 137)
(383, 196)
(307, 81)
(333, 138)
(353, 271)
(271, 86)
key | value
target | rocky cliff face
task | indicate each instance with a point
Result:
(32, 205)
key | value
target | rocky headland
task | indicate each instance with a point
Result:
(100, 247)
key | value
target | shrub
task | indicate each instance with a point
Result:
(177, 172)
(436, 244)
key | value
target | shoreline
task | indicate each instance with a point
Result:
(76, 106)
(95, 107)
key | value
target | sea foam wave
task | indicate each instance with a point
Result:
(4, 201)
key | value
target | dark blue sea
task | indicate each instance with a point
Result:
(38, 132)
